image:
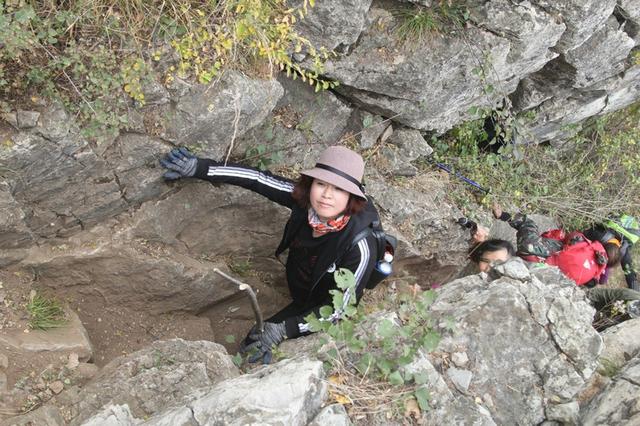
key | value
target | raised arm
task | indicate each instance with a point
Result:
(181, 163)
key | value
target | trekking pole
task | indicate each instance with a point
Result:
(458, 175)
(252, 298)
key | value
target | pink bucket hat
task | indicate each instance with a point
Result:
(340, 167)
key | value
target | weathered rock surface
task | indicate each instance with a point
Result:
(13, 230)
(442, 77)
(301, 125)
(290, 392)
(148, 381)
(210, 117)
(621, 342)
(521, 351)
(539, 328)
(69, 338)
(134, 276)
(618, 403)
(334, 25)
(332, 415)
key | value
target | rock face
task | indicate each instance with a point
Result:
(528, 338)
(621, 343)
(150, 380)
(194, 383)
(560, 61)
(521, 351)
(290, 392)
(618, 402)
(558, 53)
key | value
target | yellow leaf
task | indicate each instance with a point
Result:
(127, 88)
(341, 399)
(336, 379)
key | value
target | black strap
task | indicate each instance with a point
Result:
(341, 174)
(377, 232)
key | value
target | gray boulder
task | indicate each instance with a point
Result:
(404, 146)
(210, 117)
(533, 335)
(69, 338)
(436, 92)
(332, 415)
(618, 404)
(290, 392)
(621, 342)
(582, 18)
(613, 46)
(333, 24)
(148, 381)
(299, 127)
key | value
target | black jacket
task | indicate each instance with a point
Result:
(603, 234)
(337, 253)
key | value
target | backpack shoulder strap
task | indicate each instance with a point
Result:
(376, 230)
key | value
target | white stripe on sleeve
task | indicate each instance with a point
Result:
(365, 255)
(252, 175)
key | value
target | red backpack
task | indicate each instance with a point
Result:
(580, 259)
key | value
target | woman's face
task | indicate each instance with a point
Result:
(491, 257)
(327, 200)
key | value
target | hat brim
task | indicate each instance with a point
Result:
(335, 180)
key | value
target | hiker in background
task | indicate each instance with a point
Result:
(613, 305)
(580, 259)
(329, 213)
(623, 233)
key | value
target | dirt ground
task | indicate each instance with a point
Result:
(113, 331)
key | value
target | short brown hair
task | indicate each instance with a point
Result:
(302, 195)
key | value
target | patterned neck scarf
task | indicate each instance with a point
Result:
(332, 225)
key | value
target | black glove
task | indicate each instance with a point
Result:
(262, 343)
(180, 163)
(601, 258)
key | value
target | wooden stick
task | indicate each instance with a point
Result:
(252, 298)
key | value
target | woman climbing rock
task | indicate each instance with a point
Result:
(329, 211)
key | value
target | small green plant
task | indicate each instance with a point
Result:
(45, 313)
(258, 156)
(241, 267)
(608, 368)
(418, 22)
(381, 350)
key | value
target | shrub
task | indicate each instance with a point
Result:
(374, 352)
(96, 55)
(589, 178)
